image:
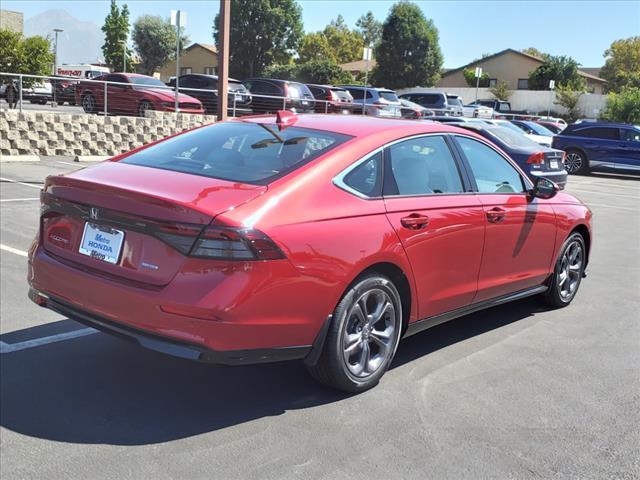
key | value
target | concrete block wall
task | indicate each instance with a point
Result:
(63, 134)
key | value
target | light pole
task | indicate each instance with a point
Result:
(366, 56)
(552, 85)
(55, 64)
(478, 75)
(179, 19)
(124, 56)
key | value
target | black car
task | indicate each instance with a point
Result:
(270, 95)
(205, 88)
(336, 99)
(438, 102)
(534, 159)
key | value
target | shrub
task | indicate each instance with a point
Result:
(501, 90)
(624, 106)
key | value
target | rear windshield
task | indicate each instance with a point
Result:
(238, 152)
(454, 101)
(512, 138)
(539, 129)
(432, 99)
(388, 95)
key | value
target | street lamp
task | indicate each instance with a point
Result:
(55, 66)
(55, 50)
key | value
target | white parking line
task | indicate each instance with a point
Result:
(7, 248)
(38, 342)
(604, 205)
(582, 190)
(3, 200)
(39, 187)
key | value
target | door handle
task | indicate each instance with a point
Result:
(496, 214)
(415, 221)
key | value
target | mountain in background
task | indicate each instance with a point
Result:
(79, 43)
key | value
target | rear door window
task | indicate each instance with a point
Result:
(421, 166)
(240, 152)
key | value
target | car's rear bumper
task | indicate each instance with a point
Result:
(169, 346)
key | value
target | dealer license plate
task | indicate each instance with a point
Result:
(102, 243)
(554, 164)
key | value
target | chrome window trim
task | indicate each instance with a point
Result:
(339, 182)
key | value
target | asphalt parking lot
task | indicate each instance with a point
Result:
(513, 392)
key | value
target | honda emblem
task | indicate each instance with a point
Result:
(93, 213)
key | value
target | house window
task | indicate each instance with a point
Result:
(185, 70)
(493, 82)
(209, 70)
(523, 84)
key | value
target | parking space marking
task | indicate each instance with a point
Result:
(38, 186)
(38, 342)
(7, 248)
(581, 190)
(3, 200)
(604, 205)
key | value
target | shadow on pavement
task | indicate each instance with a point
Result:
(99, 389)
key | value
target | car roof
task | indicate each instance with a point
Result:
(323, 86)
(362, 87)
(358, 125)
(274, 80)
(600, 124)
(206, 75)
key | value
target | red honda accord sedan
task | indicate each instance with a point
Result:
(319, 237)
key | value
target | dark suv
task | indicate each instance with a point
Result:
(270, 95)
(613, 147)
(336, 99)
(205, 88)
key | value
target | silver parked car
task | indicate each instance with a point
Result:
(377, 102)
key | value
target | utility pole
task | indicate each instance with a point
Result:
(224, 22)
(124, 56)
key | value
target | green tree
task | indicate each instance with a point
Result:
(116, 30)
(568, 98)
(536, 53)
(154, 39)
(470, 78)
(323, 72)
(370, 29)
(315, 46)
(287, 71)
(29, 56)
(622, 65)
(624, 106)
(408, 53)
(562, 69)
(262, 33)
(345, 44)
(501, 90)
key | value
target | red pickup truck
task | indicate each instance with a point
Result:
(132, 94)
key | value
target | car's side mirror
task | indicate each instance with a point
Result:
(544, 188)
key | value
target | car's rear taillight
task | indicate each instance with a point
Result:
(179, 236)
(331, 96)
(225, 243)
(536, 158)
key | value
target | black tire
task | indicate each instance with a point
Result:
(334, 367)
(88, 103)
(576, 162)
(560, 294)
(144, 107)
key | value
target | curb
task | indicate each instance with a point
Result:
(19, 158)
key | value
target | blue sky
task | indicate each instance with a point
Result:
(581, 29)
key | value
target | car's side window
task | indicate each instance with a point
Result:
(492, 172)
(422, 166)
(366, 178)
(607, 133)
(630, 135)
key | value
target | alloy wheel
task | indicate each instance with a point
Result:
(369, 333)
(570, 270)
(88, 104)
(573, 162)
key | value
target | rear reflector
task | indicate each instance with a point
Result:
(536, 159)
(224, 243)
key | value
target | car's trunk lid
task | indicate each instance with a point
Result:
(148, 217)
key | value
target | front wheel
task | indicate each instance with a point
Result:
(88, 103)
(144, 107)
(576, 163)
(363, 336)
(568, 272)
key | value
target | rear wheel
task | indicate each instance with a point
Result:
(576, 163)
(363, 336)
(568, 272)
(88, 103)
